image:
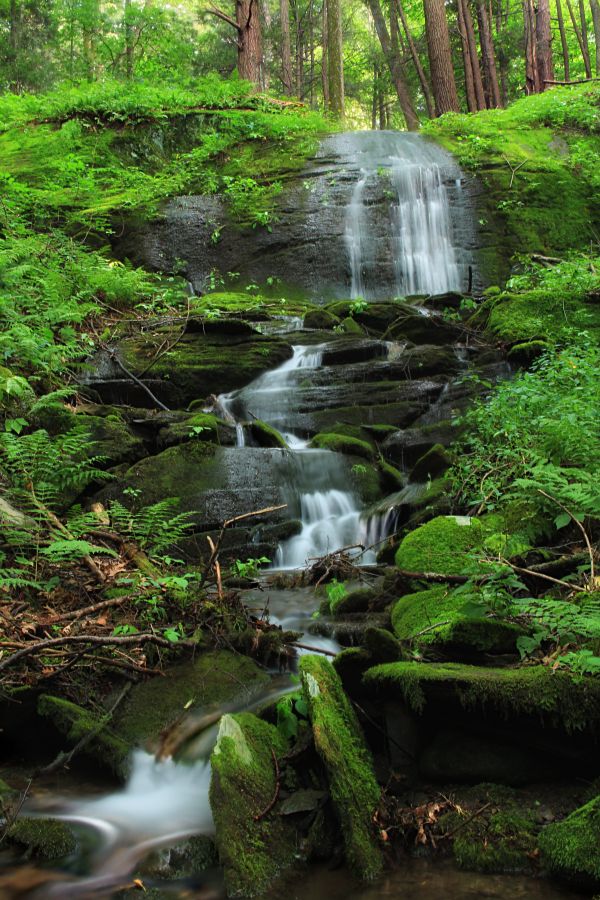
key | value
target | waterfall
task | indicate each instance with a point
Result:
(317, 481)
(418, 241)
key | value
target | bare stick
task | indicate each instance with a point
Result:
(115, 358)
(88, 610)
(312, 649)
(127, 640)
(275, 797)
(590, 549)
(466, 821)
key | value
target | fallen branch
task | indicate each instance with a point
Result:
(275, 797)
(466, 821)
(576, 521)
(88, 610)
(441, 578)
(125, 370)
(513, 169)
(312, 649)
(127, 640)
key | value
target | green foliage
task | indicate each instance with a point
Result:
(249, 568)
(537, 432)
(155, 528)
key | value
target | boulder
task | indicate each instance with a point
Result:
(571, 848)
(442, 546)
(341, 746)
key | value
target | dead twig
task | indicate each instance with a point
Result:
(466, 821)
(275, 796)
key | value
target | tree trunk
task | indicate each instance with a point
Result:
(532, 76)
(468, 68)
(596, 23)
(286, 48)
(584, 40)
(128, 41)
(324, 59)
(425, 87)
(375, 97)
(472, 41)
(543, 33)
(580, 41)
(249, 40)
(563, 40)
(487, 54)
(335, 68)
(393, 60)
(440, 57)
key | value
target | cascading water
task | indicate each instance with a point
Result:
(419, 241)
(316, 480)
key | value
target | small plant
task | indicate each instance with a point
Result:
(358, 306)
(249, 568)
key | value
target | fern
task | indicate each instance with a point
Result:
(155, 528)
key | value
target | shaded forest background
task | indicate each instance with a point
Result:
(379, 63)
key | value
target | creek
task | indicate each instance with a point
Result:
(401, 226)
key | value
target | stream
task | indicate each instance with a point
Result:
(164, 801)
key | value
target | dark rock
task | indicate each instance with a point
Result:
(405, 448)
(431, 465)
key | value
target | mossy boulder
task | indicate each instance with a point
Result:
(352, 602)
(442, 546)
(531, 691)
(43, 839)
(540, 316)
(571, 848)
(448, 619)
(382, 645)
(212, 679)
(340, 443)
(320, 319)
(254, 849)
(75, 723)
(341, 746)
(267, 436)
(431, 465)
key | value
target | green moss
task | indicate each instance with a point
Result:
(533, 690)
(441, 545)
(320, 319)
(340, 744)
(431, 465)
(540, 315)
(243, 782)
(267, 436)
(571, 848)
(502, 839)
(435, 618)
(45, 839)
(213, 678)
(76, 723)
(343, 444)
(351, 326)
(352, 602)
(382, 645)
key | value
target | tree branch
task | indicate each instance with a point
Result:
(215, 11)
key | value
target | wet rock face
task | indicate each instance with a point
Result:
(308, 247)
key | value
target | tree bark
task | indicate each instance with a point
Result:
(286, 48)
(425, 86)
(128, 41)
(440, 57)
(249, 38)
(335, 55)
(325, 58)
(584, 39)
(543, 33)
(563, 39)
(392, 58)
(488, 55)
(467, 65)
(472, 41)
(532, 77)
(596, 23)
(582, 46)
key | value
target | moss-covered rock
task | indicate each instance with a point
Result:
(212, 679)
(253, 848)
(444, 618)
(441, 545)
(340, 744)
(431, 465)
(340, 443)
(320, 319)
(43, 839)
(540, 316)
(267, 436)
(352, 602)
(76, 723)
(382, 645)
(571, 848)
(533, 690)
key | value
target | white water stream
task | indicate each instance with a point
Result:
(421, 243)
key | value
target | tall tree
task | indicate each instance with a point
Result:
(473, 80)
(563, 39)
(488, 55)
(440, 57)
(583, 46)
(249, 38)
(532, 75)
(325, 56)
(596, 24)
(286, 47)
(543, 34)
(425, 86)
(392, 57)
(335, 57)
